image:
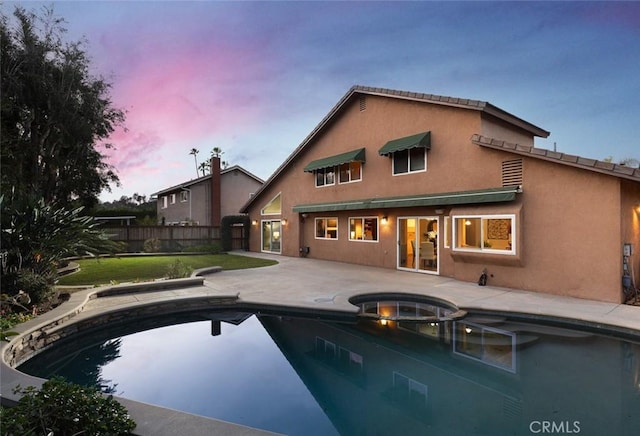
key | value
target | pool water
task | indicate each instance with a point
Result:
(299, 376)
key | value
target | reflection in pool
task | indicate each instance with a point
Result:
(299, 376)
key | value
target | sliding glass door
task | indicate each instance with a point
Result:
(418, 244)
(271, 234)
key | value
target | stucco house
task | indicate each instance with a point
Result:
(205, 200)
(454, 187)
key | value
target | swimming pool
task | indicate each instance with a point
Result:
(478, 375)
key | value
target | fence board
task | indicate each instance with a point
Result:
(172, 238)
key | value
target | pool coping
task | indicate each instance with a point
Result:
(204, 288)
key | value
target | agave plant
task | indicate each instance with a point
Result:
(37, 236)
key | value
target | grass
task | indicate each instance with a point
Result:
(103, 271)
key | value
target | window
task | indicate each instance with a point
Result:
(273, 207)
(184, 196)
(410, 161)
(484, 233)
(325, 176)
(408, 391)
(489, 345)
(164, 202)
(173, 198)
(347, 362)
(350, 172)
(363, 229)
(326, 228)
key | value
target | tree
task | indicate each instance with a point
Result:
(217, 152)
(204, 167)
(194, 152)
(53, 115)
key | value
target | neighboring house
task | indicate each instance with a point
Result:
(205, 200)
(452, 187)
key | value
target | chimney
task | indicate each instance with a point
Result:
(216, 200)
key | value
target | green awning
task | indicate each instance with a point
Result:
(494, 195)
(419, 140)
(332, 161)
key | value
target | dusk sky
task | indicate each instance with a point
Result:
(254, 78)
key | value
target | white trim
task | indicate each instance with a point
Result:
(350, 179)
(482, 249)
(262, 222)
(362, 218)
(393, 163)
(315, 178)
(512, 368)
(262, 213)
(326, 228)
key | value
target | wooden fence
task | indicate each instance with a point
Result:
(172, 238)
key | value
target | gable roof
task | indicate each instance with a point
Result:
(207, 177)
(477, 105)
(598, 166)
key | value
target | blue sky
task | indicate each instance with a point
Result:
(254, 78)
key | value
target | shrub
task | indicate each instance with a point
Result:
(178, 269)
(38, 286)
(152, 245)
(62, 408)
(213, 248)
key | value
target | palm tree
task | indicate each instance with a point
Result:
(204, 167)
(217, 152)
(194, 152)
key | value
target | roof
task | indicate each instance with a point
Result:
(207, 177)
(403, 95)
(611, 169)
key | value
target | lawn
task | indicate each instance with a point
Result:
(140, 268)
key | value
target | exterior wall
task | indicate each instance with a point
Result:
(568, 220)
(180, 211)
(569, 241)
(236, 188)
(630, 224)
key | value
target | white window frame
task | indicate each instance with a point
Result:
(447, 234)
(352, 236)
(165, 201)
(351, 180)
(483, 238)
(326, 228)
(269, 203)
(173, 199)
(325, 176)
(511, 367)
(409, 171)
(413, 387)
(184, 196)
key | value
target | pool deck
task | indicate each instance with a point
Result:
(309, 285)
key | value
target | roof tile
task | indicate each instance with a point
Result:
(561, 158)
(604, 165)
(569, 158)
(525, 148)
(587, 162)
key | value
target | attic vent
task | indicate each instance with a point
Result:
(512, 172)
(363, 102)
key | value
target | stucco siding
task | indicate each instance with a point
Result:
(235, 189)
(569, 230)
